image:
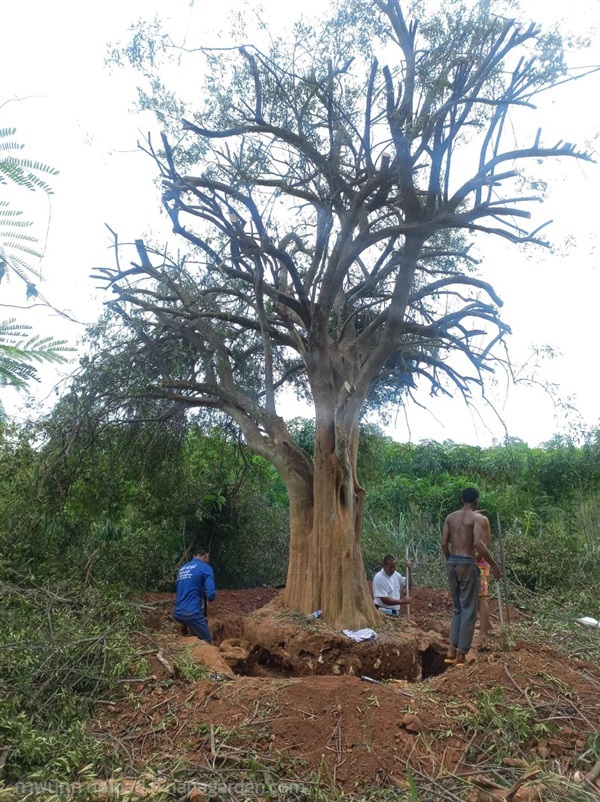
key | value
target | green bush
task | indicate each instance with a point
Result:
(255, 553)
(554, 558)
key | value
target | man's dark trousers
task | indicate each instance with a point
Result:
(463, 578)
(197, 626)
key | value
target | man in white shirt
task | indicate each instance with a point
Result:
(388, 584)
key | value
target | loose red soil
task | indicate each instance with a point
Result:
(327, 719)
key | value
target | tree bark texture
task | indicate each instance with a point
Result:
(326, 569)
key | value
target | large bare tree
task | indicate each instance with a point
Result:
(329, 188)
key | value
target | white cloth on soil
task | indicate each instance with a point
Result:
(360, 634)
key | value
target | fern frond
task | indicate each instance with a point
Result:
(18, 350)
(38, 167)
(4, 146)
(10, 328)
(5, 212)
(18, 224)
(17, 246)
(47, 349)
(16, 374)
(19, 237)
(22, 269)
(17, 249)
(21, 177)
(23, 173)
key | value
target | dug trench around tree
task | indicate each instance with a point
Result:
(255, 636)
(274, 643)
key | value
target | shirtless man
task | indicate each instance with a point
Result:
(465, 531)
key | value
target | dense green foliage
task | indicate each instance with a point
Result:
(125, 503)
(62, 648)
(547, 500)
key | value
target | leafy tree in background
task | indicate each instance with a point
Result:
(124, 492)
(330, 188)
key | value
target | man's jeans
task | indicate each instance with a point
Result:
(463, 578)
(197, 626)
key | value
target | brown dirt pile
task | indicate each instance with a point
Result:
(528, 705)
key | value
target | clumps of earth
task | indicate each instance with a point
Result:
(279, 693)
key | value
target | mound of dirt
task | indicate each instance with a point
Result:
(288, 693)
(295, 649)
(271, 642)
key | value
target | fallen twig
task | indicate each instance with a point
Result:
(127, 750)
(525, 778)
(162, 702)
(4, 753)
(163, 661)
(594, 773)
(521, 690)
(440, 791)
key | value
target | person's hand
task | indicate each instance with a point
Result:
(404, 600)
(407, 564)
(496, 572)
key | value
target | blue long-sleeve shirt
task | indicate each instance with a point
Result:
(194, 579)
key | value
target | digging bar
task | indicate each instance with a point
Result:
(503, 567)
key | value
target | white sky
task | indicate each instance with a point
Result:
(75, 114)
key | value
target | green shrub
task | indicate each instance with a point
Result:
(255, 553)
(554, 558)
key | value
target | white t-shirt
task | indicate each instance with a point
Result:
(390, 586)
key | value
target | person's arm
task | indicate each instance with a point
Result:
(485, 534)
(209, 585)
(481, 541)
(446, 540)
(387, 600)
(409, 574)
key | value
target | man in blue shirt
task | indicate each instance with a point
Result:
(195, 581)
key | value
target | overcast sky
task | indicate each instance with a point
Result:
(71, 111)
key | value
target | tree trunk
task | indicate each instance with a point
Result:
(326, 570)
(301, 587)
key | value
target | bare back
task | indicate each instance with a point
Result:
(460, 531)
